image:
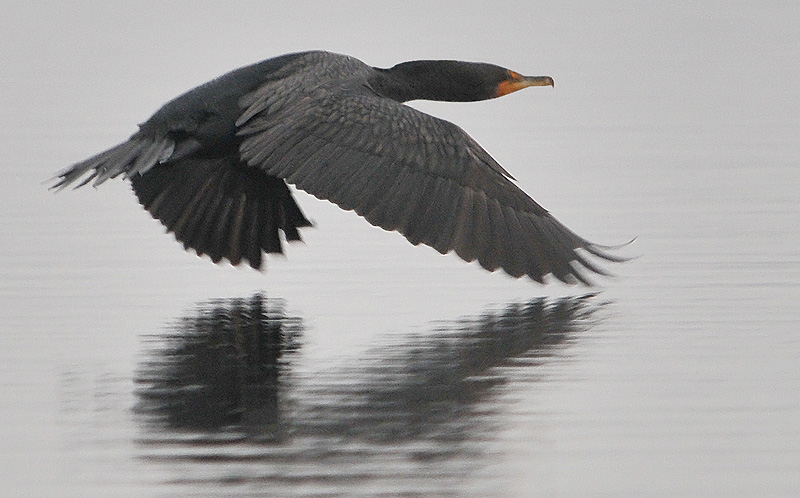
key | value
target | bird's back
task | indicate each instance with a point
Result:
(216, 104)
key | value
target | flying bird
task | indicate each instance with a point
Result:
(214, 164)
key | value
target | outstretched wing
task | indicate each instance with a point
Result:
(221, 207)
(405, 170)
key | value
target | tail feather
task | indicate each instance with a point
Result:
(134, 156)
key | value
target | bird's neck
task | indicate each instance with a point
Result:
(450, 81)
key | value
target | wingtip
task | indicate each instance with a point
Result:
(602, 251)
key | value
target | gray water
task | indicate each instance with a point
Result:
(359, 365)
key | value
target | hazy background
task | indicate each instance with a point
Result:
(677, 124)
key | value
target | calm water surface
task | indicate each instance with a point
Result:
(362, 366)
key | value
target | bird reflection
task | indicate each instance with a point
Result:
(227, 369)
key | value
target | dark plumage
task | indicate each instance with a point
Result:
(213, 164)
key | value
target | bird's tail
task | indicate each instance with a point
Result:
(133, 157)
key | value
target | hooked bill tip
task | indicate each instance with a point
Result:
(518, 82)
(540, 81)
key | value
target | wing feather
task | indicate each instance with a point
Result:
(463, 227)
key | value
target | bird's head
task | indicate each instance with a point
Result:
(452, 81)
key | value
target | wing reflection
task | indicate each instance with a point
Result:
(220, 367)
(430, 385)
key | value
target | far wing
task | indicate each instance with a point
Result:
(405, 170)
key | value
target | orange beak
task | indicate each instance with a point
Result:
(518, 82)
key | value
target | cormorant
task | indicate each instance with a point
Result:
(214, 163)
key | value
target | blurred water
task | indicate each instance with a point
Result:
(362, 366)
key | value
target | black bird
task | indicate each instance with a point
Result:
(213, 164)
